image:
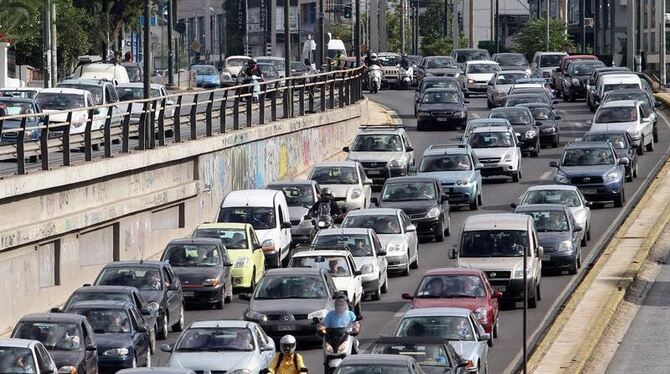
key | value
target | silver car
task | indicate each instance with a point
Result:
(500, 85)
(347, 180)
(396, 233)
(221, 346)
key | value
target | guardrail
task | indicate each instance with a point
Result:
(169, 119)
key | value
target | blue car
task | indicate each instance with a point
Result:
(121, 332)
(16, 106)
(594, 168)
(206, 76)
(457, 169)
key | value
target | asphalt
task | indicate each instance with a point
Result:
(381, 317)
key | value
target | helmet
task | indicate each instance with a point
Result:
(326, 193)
(373, 57)
(403, 55)
(287, 344)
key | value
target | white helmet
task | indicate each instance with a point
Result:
(287, 344)
(373, 57)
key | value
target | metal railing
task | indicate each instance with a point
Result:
(105, 130)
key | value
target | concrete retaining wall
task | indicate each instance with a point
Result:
(60, 227)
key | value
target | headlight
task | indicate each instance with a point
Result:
(153, 306)
(471, 81)
(565, 246)
(356, 193)
(211, 282)
(393, 247)
(575, 82)
(241, 262)
(528, 71)
(548, 130)
(268, 245)
(518, 271)
(459, 114)
(367, 269)
(320, 314)
(328, 347)
(69, 369)
(397, 164)
(530, 134)
(255, 316)
(560, 178)
(462, 182)
(481, 313)
(508, 157)
(115, 352)
(612, 177)
(424, 114)
(500, 93)
(635, 134)
(241, 371)
(433, 213)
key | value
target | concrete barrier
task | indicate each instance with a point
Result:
(60, 227)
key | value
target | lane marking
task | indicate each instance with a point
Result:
(579, 124)
(546, 175)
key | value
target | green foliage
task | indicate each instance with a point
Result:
(440, 45)
(531, 37)
(342, 31)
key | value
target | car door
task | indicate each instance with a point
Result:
(409, 150)
(367, 190)
(257, 252)
(285, 232)
(536, 256)
(264, 355)
(482, 347)
(90, 356)
(381, 260)
(444, 203)
(44, 360)
(650, 117)
(358, 283)
(227, 266)
(140, 338)
(409, 231)
(576, 235)
(173, 297)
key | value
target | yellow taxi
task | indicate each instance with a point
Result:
(244, 250)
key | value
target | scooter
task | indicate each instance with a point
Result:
(256, 88)
(323, 219)
(405, 77)
(338, 343)
(375, 79)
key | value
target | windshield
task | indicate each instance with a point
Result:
(509, 78)
(296, 195)
(372, 369)
(409, 191)
(464, 56)
(583, 69)
(335, 175)
(60, 101)
(494, 243)
(449, 286)
(231, 238)
(198, 255)
(482, 68)
(268, 70)
(377, 143)
(587, 157)
(515, 116)
(387, 60)
(337, 266)
(550, 60)
(16, 360)
(441, 97)
(450, 83)
(142, 278)
(96, 91)
(215, 339)
(516, 100)
(619, 86)
(453, 162)
(381, 224)
(205, 70)
(235, 62)
(542, 113)
(279, 65)
(16, 107)
(568, 198)
(56, 336)
(491, 140)
(135, 93)
(627, 95)
(107, 321)
(511, 60)
(440, 63)
(298, 67)
(290, 287)
(614, 114)
(444, 327)
(27, 94)
(359, 244)
(549, 221)
(260, 218)
(618, 140)
(426, 355)
(134, 73)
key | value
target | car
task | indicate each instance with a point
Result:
(441, 105)
(623, 146)
(369, 255)
(558, 234)
(342, 268)
(633, 116)
(221, 346)
(611, 82)
(135, 71)
(277, 62)
(14, 105)
(135, 91)
(22, 92)
(388, 62)
(25, 356)
(535, 89)
(500, 85)
(165, 290)
(287, 300)
(120, 331)
(464, 55)
(557, 74)
(423, 199)
(53, 101)
(271, 76)
(480, 298)
(244, 250)
(636, 94)
(595, 169)
(591, 82)
(434, 82)
(92, 67)
(458, 326)
(232, 67)
(203, 267)
(156, 370)
(300, 70)
(437, 66)
(378, 363)
(206, 76)
(396, 233)
(516, 98)
(512, 61)
(476, 76)
(483, 122)
(576, 77)
(301, 195)
(347, 180)
(383, 151)
(546, 122)
(434, 355)
(544, 63)
(458, 170)
(267, 212)
(68, 337)
(524, 125)
(498, 150)
(103, 91)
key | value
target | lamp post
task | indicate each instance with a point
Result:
(546, 35)
(357, 33)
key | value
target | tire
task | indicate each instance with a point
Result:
(489, 104)
(535, 153)
(229, 297)
(629, 177)
(620, 200)
(405, 271)
(516, 176)
(439, 237)
(222, 301)
(415, 264)
(495, 329)
(419, 126)
(650, 146)
(164, 331)
(573, 267)
(588, 233)
(635, 171)
(640, 149)
(655, 132)
(152, 341)
(480, 199)
(385, 287)
(474, 205)
(572, 99)
(538, 292)
(148, 362)
(357, 308)
(179, 326)
(555, 143)
(532, 301)
(252, 285)
(490, 342)
(378, 294)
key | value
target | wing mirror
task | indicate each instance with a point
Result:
(485, 337)
(589, 122)
(173, 287)
(166, 348)
(345, 149)
(407, 296)
(578, 229)
(657, 104)
(409, 149)
(553, 164)
(367, 181)
(381, 252)
(589, 204)
(479, 166)
(411, 169)
(357, 273)
(444, 198)
(557, 117)
(245, 297)
(624, 161)
(410, 228)
(91, 348)
(454, 254)
(514, 205)
(497, 294)
(286, 225)
(56, 310)
(466, 101)
(228, 264)
(374, 201)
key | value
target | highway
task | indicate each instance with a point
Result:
(381, 317)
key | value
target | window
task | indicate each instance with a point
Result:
(48, 257)
(43, 358)
(166, 276)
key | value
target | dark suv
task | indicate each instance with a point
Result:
(623, 146)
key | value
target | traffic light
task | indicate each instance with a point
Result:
(347, 11)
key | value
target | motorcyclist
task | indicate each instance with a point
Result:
(373, 60)
(367, 59)
(404, 62)
(326, 198)
(287, 360)
(342, 317)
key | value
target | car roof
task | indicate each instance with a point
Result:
(260, 197)
(368, 359)
(486, 62)
(101, 304)
(17, 343)
(496, 221)
(324, 252)
(607, 131)
(85, 82)
(344, 231)
(63, 90)
(488, 120)
(435, 312)
(512, 108)
(491, 129)
(273, 58)
(453, 270)
(443, 149)
(195, 241)
(373, 212)
(552, 53)
(579, 57)
(53, 317)
(380, 130)
(103, 289)
(135, 263)
(628, 77)
(439, 78)
(587, 145)
(409, 340)
(156, 370)
(441, 89)
(535, 105)
(154, 86)
(220, 323)
(292, 271)
(409, 179)
(544, 187)
(539, 207)
(503, 72)
(626, 91)
(343, 163)
(223, 225)
(619, 103)
(17, 99)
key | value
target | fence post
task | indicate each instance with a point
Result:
(141, 127)
(193, 121)
(236, 110)
(273, 103)
(125, 130)
(152, 124)
(44, 142)
(161, 122)
(88, 152)
(20, 148)
(302, 98)
(66, 141)
(176, 121)
(208, 115)
(249, 108)
(331, 89)
(323, 93)
(222, 113)
(108, 132)
(261, 105)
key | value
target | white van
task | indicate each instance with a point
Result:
(267, 212)
(112, 72)
(334, 46)
(612, 82)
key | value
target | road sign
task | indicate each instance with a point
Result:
(195, 46)
(153, 21)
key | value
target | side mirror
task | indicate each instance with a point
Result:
(589, 122)
(589, 204)
(304, 370)
(466, 101)
(485, 337)
(538, 123)
(478, 166)
(540, 251)
(345, 149)
(411, 169)
(367, 181)
(514, 205)
(56, 310)
(258, 246)
(578, 228)
(96, 111)
(374, 201)
(228, 264)
(557, 117)
(454, 254)
(444, 198)
(407, 296)
(624, 161)
(409, 149)
(553, 164)
(141, 328)
(490, 83)
(166, 348)
(91, 348)
(286, 225)
(245, 297)
(173, 287)
(267, 348)
(145, 311)
(410, 228)
(381, 252)
(497, 295)
(554, 101)
(357, 273)
(316, 320)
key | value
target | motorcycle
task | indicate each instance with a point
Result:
(324, 219)
(375, 79)
(405, 77)
(338, 343)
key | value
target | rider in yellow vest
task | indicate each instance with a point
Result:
(287, 360)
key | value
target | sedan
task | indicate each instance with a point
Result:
(17, 106)
(376, 363)
(576, 79)
(221, 346)
(437, 66)
(206, 76)
(635, 117)
(29, 353)
(348, 181)
(623, 146)
(545, 122)
(441, 105)
(512, 61)
(515, 98)
(434, 82)
(500, 85)
(435, 356)
(523, 123)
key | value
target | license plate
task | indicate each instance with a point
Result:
(546, 258)
(589, 191)
(490, 166)
(373, 172)
(286, 328)
(189, 294)
(500, 288)
(441, 119)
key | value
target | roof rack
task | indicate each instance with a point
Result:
(449, 145)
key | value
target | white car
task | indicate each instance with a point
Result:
(369, 255)
(635, 117)
(396, 232)
(231, 69)
(347, 180)
(135, 91)
(476, 76)
(218, 346)
(36, 359)
(498, 150)
(53, 101)
(341, 266)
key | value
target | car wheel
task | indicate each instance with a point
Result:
(583, 242)
(152, 341)
(222, 300)
(439, 232)
(629, 176)
(535, 153)
(495, 329)
(385, 287)
(588, 233)
(357, 308)
(134, 363)
(148, 361)
(532, 301)
(415, 264)
(620, 199)
(252, 284)
(555, 143)
(655, 132)
(650, 146)
(573, 267)
(164, 328)
(447, 232)
(635, 171)
(474, 205)
(378, 294)
(640, 149)
(489, 104)
(419, 126)
(229, 297)
(579, 259)
(516, 176)
(405, 271)
(572, 99)
(179, 326)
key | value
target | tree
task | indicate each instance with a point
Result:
(531, 37)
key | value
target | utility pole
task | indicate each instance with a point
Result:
(170, 56)
(288, 103)
(402, 26)
(582, 12)
(357, 33)
(497, 15)
(525, 311)
(46, 45)
(53, 44)
(455, 34)
(148, 136)
(446, 17)
(546, 35)
(322, 35)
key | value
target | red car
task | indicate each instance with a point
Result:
(459, 288)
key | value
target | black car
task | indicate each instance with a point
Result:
(68, 337)
(434, 355)
(545, 122)
(441, 106)
(423, 200)
(511, 61)
(156, 282)
(203, 267)
(558, 234)
(120, 331)
(576, 78)
(623, 146)
(523, 123)
(434, 82)
(437, 66)
(515, 98)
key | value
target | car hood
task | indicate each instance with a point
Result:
(503, 87)
(574, 171)
(267, 234)
(152, 296)
(546, 124)
(480, 76)
(443, 71)
(219, 361)
(195, 276)
(297, 212)
(375, 156)
(491, 152)
(110, 341)
(441, 106)
(362, 261)
(491, 263)
(207, 77)
(64, 358)
(550, 240)
(410, 207)
(234, 70)
(343, 283)
(386, 238)
(446, 177)
(522, 128)
(467, 303)
(513, 67)
(613, 126)
(62, 117)
(466, 349)
(293, 306)
(339, 190)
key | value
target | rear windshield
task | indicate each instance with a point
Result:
(494, 243)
